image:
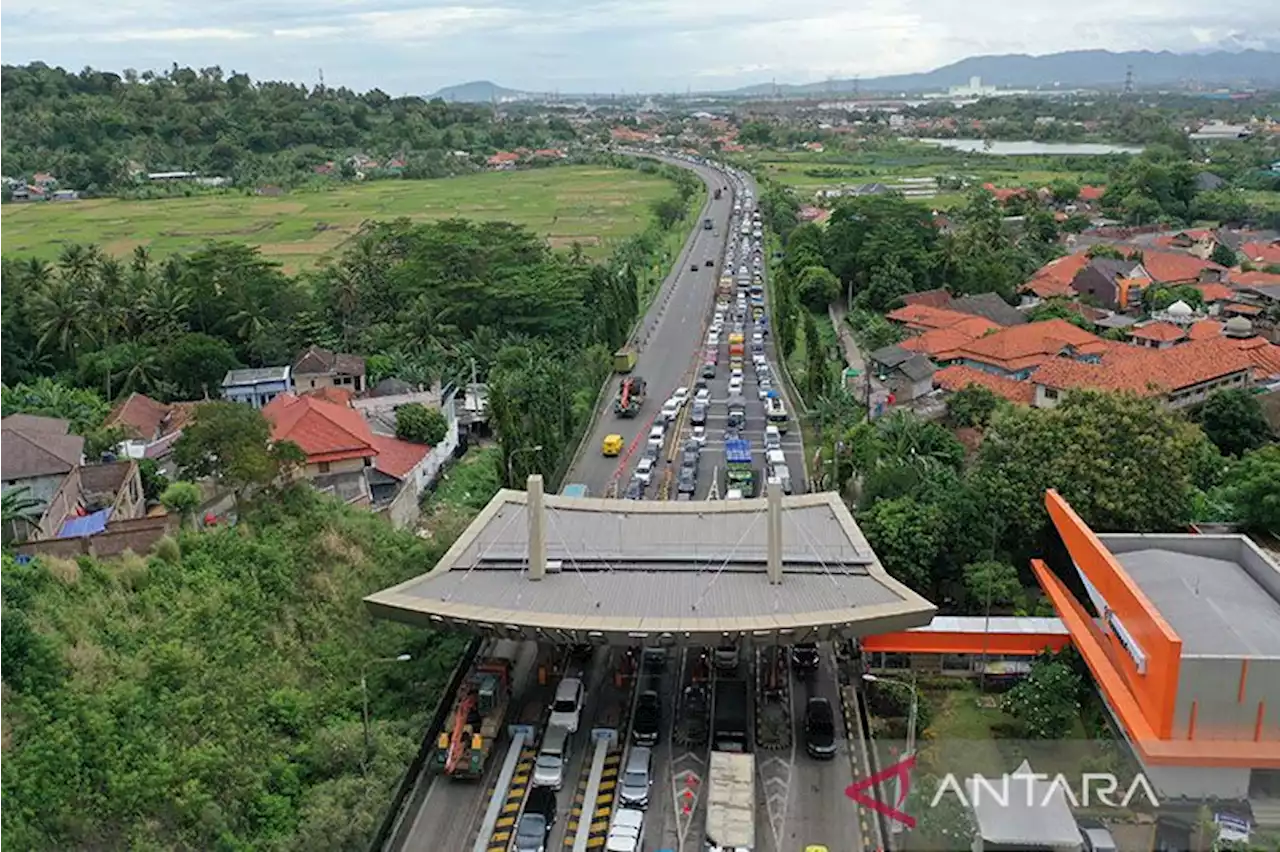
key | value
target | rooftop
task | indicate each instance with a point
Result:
(1162, 332)
(696, 571)
(1218, 592)
(1169, 266)
(38, 446)
(255, 376)
(1147, 372)
(957, 377)
(1021, 346)
(318, 360)
(324, 431)
(1034, 816)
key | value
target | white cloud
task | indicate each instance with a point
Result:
(308, 32)
(424, 24)
(177, 34)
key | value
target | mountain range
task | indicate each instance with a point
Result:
(1070, 69)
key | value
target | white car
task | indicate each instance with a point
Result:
(680, 396)
(772, 438)
(699, 435)
(566, 709)
(657, 436)
(736, 373)
(626, 831)
(765, 387)
(644, 470)
(735, 385)
(670, 409)
(703, 395)
(713, 339)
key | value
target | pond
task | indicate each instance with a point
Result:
(1027, 147)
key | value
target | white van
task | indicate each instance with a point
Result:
(657, 437)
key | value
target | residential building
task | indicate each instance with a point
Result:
(1180, 376)
(38, 454)
(925, 318)
(1113, 284)
(942, 345)
(319, 368)
(380, 413)
(1053, 280)
(335, 439)
(908, 375)
(503, 161)
(1217, 131)
(1170, 268)
(257, 387)
(1262, 253)
(989, 306)
(1157, 335)
(1182, 636)
(958, 377)
(91, 496)
(1017, 351)
(149, 427)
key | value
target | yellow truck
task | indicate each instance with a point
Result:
(612, 445)
(624, 360)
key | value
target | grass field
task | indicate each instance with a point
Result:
(588, 204)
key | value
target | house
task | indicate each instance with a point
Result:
(258, 386)
(925, 318)
(958, 377)
(503, 161)
(942, 345)
(1180, 376)
(1215, 295)
(148, 424)
(380, 413)
(938, 298)
(1217, 131)
(909, 375)
(1262, 253)
(1169, 268)
(1199, 242)
(988, 306)
(320, 368)
(91, 496)
(38, 454)
(338, 444)
(1111, 283)
(1157, 335)
(1091, 194)
(1017, 352)
(1053, 280)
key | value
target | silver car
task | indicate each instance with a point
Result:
(637, 778)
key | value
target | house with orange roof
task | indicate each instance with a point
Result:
(1053, 280)
(1205, 329)
(958, 377)
(336, 440)
(1199, 242)
(503, 161)
(926, 318)
(1179, 376)
(1091, 194)
(1262, 253)
(149, 427)
(1017, 351)
(1254, 278)
(1215, 295)
(938, 298)
(942, 345)
(1157, 335)
(1168, 268)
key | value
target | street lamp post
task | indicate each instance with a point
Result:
(511, 457)
(364, 695)
(911, 728)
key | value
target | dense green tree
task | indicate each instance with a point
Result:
(1223, 255)
(863, 234)
(182, 499)
(1252, 486)
(885, 288)
(231, 442)
(991, 582)
(1064, 191)
(817, 287)
(196, 364)
(1046, 702)
(907, 536)
(83, 409)
(1234, 421)
(817, 365)
(421, 425)
(972, 406)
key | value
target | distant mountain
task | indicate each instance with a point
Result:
(479, 91)
(1074, 68)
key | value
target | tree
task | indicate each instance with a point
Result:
(905, 534)
(83, 409)
(991, 582)
(1064, 191)
(817, 365)
(1234, 421)
(1252, 486)
(972, 406)
(182, 499)
(1223, 255)
(196, 364)
(232, 442)
(1046, 702)
(817, 287)
(886, 287)
(19, 513)
(419, 424)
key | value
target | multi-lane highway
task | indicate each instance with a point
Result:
(800, 800)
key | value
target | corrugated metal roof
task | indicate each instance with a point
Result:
(1000, 624)
(1034, 814)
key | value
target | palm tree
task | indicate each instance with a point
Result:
(19, 512)
(58, 317)
(163, 304)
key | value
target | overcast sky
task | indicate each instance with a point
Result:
(417, 46)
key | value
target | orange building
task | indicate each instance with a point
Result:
(1182, 635)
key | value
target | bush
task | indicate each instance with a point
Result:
(419, 424)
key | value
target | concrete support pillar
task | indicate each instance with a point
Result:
(537, 529)
(775, 532)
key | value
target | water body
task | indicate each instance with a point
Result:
(1026, 148)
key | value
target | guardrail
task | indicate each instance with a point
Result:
(384, 839)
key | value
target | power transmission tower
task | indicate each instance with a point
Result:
(1128, 80)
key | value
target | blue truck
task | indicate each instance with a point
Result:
(738, 470)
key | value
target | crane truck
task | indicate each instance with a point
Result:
(478, 715)
(630, 397)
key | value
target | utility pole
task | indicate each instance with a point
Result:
(1128, 79)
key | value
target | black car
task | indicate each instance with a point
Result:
(693, 267)
(699, 415)
(688, 481)
(539, 817)
(648, 719)
(819, 729)
(635, 491)
(805, 656)
(708, 371)
(710, 263)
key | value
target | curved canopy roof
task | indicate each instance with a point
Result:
(650, 572)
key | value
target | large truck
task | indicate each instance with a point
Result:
(478, 716)
(731, 803)
(624, 360)
(718, 193)
(630, 397)
(729, 728)
(739, 473)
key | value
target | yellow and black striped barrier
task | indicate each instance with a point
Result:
(575, 811)
(601, 808)
(505, 827)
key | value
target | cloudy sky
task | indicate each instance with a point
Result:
(417, 46)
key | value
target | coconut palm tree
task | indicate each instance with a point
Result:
(58, 317)
(19, 512)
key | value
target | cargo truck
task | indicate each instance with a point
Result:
(630, 397)
(729, 728)
(478, 715)
(731, 803)
(738, 470)
(624, 360)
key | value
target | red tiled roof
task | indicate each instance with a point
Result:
(1002, 194)
(396, 457)
(139, 416)
(1254, 278)
(1162, 332)
(1055, 277)
(1205, 329)
(503, 157)
(929, 298)
(1195, 235)
(958, 377)
(1215, 292)
(325, 432)
(926, 317)
(1092, 193)
(940, 344)
(335, 395)
(1147, 372)
(1021, 346)
(1262, 252)
(1167, 267)
(1242, 309)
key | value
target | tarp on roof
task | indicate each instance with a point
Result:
(91, 524)
(737, 451)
